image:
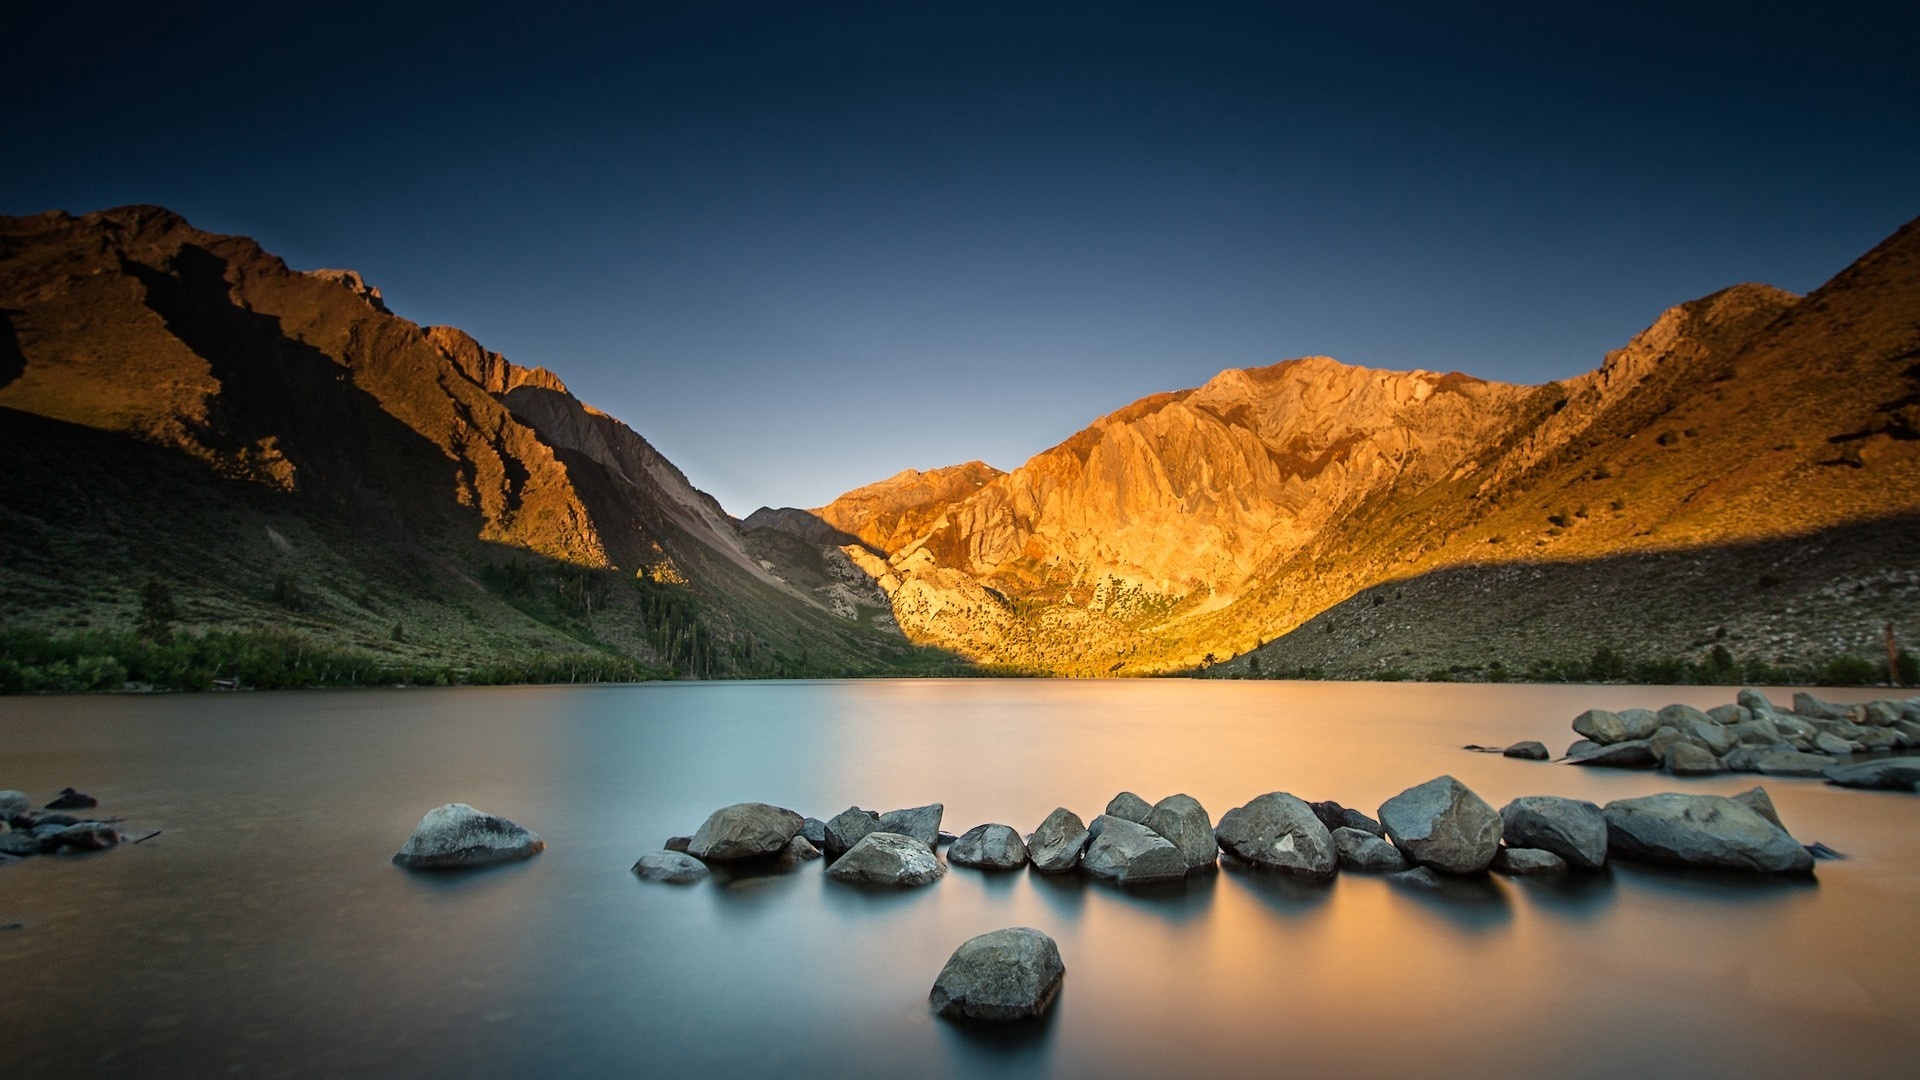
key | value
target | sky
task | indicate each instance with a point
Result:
(800, 247)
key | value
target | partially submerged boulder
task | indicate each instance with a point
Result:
(989, 847)
(1128, 853)
(846, 828)
(1704, 831)
(882, 858)
(1570, 828)
(456, 835)
(744, 831)
(1791, 763)
(1607, 727)
(672, 867)
(1279, 832)
(1528, 750)
(1185, 824)
(1011, 974)
(1885, 774)
(1366, 852)
(1632, 754)
(920, 822)
(1129, 806)
(1443, 824)
(1055, 847)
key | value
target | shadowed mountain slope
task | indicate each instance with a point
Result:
(304, 457)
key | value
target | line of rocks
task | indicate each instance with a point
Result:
(1846, 744)
(49, 831)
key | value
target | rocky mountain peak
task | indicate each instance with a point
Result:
(355, 284)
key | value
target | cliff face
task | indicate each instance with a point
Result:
(363, 432)
(1205, 522)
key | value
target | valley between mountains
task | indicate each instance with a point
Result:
(332, 493)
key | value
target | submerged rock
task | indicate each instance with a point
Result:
(1528, 862)
(1055, 847)
(457, 835)
(744, 831)
(989, 847)
(1279, 832)
(1530, 750)
(1443, 824)
(1886, 774)
(1706, 831)
(1570, 828)
(672, 867)
(1011, 974)
(1420, 877)
(1129, 806)
(1185, 824)
(1128, 853)
(1366, 852)
(883, 858)
(920, 822)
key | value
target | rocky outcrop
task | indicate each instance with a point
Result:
(1056, 846)
(882, 858)
(1279, 832)
(1702, 831)
(989, 847)
(744, 831)
(1444, 825)
(1570, 828)
(457, 836)
(1012, 974)
(1128, 853)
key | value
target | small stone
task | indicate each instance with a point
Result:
(1529, 750)
(672, 867)
(1528, 862)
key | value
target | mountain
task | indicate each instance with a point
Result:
(1744, 474)
(279, 450)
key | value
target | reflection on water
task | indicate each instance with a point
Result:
(265, 932)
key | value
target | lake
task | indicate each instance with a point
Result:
(264, 932)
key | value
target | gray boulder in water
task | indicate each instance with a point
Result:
(989, 847)
(1705, 831)
(1011, 974)
(1128, 853)
(744, 831)
(920, 822)
(1632, 754)
(457, 835)
(1443, 824)
(1279, 832)
(1129, 806)
(1688, 759)
(1606, 727)
(1570, 828)
(1885, 774)
(1529, 750)
(846, 828)
(883, 858)
(1185, 824)
(1055, 847)
(1366, 852)
(1791, 763)
(672, 867)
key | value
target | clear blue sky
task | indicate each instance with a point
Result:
(801, 247)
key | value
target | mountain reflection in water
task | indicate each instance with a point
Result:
(264, 932)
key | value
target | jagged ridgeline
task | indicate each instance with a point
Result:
(218, 468)
(1735, 494)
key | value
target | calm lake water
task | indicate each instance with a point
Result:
(264, 933)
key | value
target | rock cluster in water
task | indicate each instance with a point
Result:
(25, 831)
(1813, 739)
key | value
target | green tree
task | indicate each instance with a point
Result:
(157, 612)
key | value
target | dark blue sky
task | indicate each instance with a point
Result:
(801, 247)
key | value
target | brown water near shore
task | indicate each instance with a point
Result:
(265, 934)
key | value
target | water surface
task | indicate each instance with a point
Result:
(264, 933)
